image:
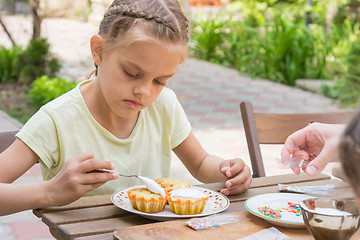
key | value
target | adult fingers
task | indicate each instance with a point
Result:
(301, 154)
(296, 170)
(328, 154)
(293, 142)
(318, 164)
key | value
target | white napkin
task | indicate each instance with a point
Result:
(268, 234)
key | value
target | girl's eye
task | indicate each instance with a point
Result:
(130, 74)
(159, 82)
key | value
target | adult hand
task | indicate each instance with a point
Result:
(77, 178)
(239, 176)
(317, 142)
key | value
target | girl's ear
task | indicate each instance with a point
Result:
(97, 45)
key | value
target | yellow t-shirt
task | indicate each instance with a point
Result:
(64, 128)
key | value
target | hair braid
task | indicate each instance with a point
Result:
(167, 13)
(137, 13)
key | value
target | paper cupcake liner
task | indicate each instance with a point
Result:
(147, 205)
(187, 207)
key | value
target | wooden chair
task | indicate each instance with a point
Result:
(264, 128)
(6, 139)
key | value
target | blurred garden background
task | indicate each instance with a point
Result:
(285, 41)
(265, 51)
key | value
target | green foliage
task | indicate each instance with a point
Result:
(241, 50)
(281, 51)
(252, 12)
(340, 42)
(37, 61)
(207, 37)
(8, 63)
(270, 39)
(45, 89)
(332, 91)
(350, 91)
(18, 65)
(287, 47)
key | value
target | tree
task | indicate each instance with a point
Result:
(7, 31)
(9, 7)
(37, 18)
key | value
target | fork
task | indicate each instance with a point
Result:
(108, 171)
(150, 184)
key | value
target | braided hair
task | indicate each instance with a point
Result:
(164, 19)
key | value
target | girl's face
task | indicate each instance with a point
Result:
(132, 77)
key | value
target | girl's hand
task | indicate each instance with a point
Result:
(77, 178)
(239, 176)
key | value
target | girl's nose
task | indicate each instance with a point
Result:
(143, 88)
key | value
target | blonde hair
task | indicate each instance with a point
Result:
(349, 151)
(164, 20)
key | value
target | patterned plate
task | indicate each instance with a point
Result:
(217, 203)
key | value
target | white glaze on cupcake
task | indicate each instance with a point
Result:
(187, 193)
(152, 185)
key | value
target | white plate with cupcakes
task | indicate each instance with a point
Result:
(179, 201)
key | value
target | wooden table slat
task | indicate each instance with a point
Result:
(104, 236)
(286, 179)
(53, 219)
(92, 201)
(82, 229)
(271, 180)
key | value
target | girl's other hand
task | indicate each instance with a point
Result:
(239, 176)
(77, 178)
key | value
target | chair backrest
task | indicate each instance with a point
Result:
(266, 128)
(6, 139)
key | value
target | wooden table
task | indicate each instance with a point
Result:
(97, 218)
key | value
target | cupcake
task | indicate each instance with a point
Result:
(143, 200)
(187, 201)
(170, 184)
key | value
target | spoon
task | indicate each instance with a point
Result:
(149, 183)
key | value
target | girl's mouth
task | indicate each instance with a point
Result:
(133, 104)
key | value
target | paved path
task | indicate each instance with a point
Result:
(210, 95)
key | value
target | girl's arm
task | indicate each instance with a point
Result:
(209, 168)
(73, 181)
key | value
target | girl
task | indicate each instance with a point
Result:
(124, 119)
